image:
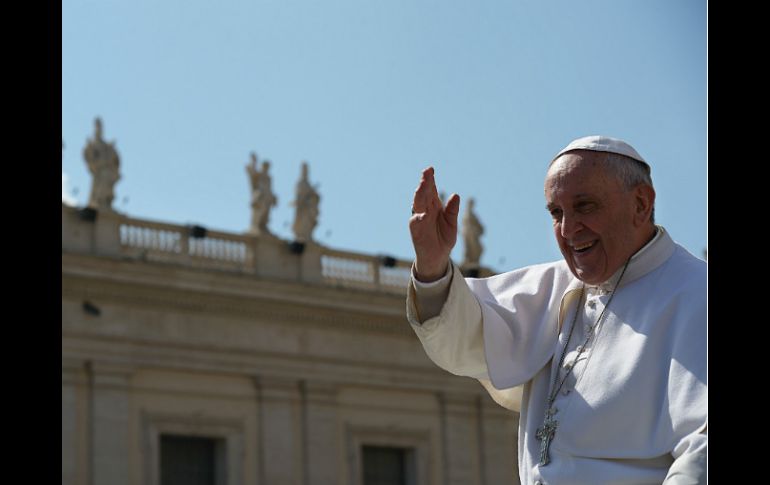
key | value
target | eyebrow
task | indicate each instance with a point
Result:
(577, 198)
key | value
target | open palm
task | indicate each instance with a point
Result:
(433, 228)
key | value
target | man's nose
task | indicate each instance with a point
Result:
(570, 225)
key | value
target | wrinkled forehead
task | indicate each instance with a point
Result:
(580, 174)
(577, 162)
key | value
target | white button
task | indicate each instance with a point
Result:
(579, 348)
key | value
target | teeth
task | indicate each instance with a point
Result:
(584, 246)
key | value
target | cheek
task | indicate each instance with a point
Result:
(595, 225)
(562, 243)
(557, 234)
(615, 236)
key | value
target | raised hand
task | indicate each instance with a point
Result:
(433, 228)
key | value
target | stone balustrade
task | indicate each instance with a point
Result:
(169, 243)
(117, 235)
(354, 270)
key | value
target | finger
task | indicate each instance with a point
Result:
(423, 195)
(451, 211)
(453, 206)
(435, 200)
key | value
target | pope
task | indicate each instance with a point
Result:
(603, 353)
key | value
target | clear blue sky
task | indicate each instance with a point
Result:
(371, 92)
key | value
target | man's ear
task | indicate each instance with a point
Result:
(644, 201)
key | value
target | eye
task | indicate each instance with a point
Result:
(555, 214)
(585, 207)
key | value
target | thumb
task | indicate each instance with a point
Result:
(453, 207)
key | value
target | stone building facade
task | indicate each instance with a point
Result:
(258, 362)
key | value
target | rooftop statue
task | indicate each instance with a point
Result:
(472, 231)
(104, 164)
(306, 208)
(262, 197)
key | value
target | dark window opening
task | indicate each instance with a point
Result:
(385, 465)
(191, 460)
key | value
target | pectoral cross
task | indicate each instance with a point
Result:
(545, 435)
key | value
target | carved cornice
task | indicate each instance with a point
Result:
(228, 282)
(308, 308)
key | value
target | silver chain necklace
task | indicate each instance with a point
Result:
(546, 433)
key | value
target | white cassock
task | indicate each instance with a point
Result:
(633, 410)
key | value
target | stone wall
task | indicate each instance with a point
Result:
(288, 363)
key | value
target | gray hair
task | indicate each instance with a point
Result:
(630, 172)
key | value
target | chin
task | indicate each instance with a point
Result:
(589, 278)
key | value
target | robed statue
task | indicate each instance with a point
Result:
(472, 231)
(262, 197)
(306, 208)
(104, 164)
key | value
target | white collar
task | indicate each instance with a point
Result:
(652, 255)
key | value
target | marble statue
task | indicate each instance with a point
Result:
(306, 208)
(472, 231)
(104, 164)
(262, 197)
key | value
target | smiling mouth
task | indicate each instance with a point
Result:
(582, 248)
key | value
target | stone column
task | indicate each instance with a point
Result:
(280, 432)
(74, 423)
(320, 433)
(499, 437)
(460, 442)
(110, 424)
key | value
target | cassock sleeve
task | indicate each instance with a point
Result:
(453, 339)
(500, 329)
(519, 310)
(430, 297)
(428, 300)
